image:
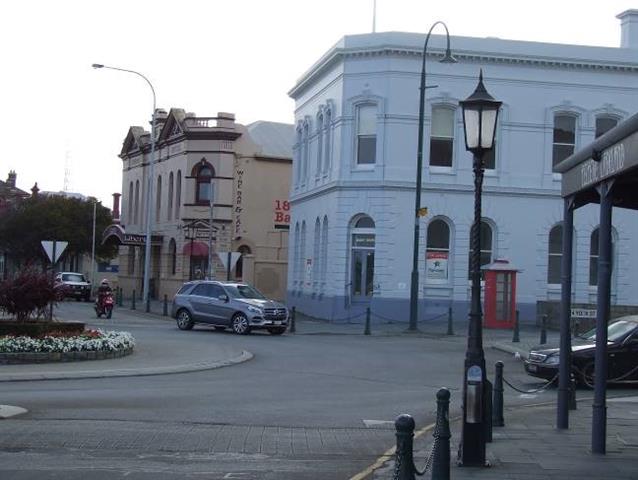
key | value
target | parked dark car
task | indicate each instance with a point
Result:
(238, 306)
(622, 351)
(74, 285)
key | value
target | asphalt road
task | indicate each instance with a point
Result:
(306, 407)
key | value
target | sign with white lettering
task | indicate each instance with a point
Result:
(583, 313)
(618, 158)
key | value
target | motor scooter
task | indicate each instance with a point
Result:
(104, 306)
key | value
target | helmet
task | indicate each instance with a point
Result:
(104, 282)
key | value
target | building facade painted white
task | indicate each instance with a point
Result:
(354, 171)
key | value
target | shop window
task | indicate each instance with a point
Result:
(437, 255)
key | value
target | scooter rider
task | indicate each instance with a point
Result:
(103, 290)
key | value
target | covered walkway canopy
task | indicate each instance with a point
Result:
(604, 172)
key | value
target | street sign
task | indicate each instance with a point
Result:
(54, 247)
(234, 256)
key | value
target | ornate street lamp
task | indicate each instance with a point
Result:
(414, 280)
(480, 112)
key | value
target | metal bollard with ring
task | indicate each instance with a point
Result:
(133, 300)
(516, 338)
(165, 306)
(441, 450)
(404, 461)
(366, 330)
(497, 413)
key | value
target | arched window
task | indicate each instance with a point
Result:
(366, 134)
(442, 137)
(137, 201)
(324, 251)
(593, 257)
(486, 248)
(555, 254)
(362, 248)
(239, 266)
(298, 153)
(158, 199)
(169, 212)
(328, 146)
(172, 252)
(296, 255)
(178, 193)
(564, 137)
(437, 254)
(305, 280)
(319, 144)
(316, 258)
(203, 176)
(604, 124)
(305, 152)
(129, 216)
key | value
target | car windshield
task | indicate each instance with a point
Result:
(615, 331)
(73, 277)
(243, 291)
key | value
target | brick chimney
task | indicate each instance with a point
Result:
(11, 178)
(628, 28)
(116, 207)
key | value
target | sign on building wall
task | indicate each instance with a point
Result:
(436, 265)
(239, 189)
(281, 214)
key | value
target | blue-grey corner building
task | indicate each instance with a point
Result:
(354, 172)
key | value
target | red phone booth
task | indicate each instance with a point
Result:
(500, 294)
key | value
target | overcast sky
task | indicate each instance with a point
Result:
(206, 56)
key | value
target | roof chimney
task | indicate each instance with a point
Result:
(11, 179)
(628, 28)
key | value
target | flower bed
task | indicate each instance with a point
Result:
(90, 345)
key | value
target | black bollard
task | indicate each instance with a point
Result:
(576, 330)
(403, 460)
(487, 417)
(120, 298)
(366, 330)
(165, 306)
(293, 327)
(571, 393)
(147, 307)
(133, 301)
(516, 338)
(441, 454)
(497, 413)
(450, 323)
(543, 330)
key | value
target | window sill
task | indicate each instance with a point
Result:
(367, 167)
(442, 170)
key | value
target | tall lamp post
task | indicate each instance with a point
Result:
(149, 195)
(480, 113)
(414, 281)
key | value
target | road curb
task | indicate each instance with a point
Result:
(244, 356)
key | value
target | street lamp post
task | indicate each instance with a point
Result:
(149, 195)
(480, 113)
(414, 281)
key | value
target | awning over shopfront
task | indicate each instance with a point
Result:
(116, 234)
(195, 249)
(604, 172)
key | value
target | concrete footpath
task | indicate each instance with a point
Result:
(528, 447)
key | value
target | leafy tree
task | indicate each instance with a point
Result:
(40, 217)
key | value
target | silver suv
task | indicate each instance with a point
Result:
(227, 304)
